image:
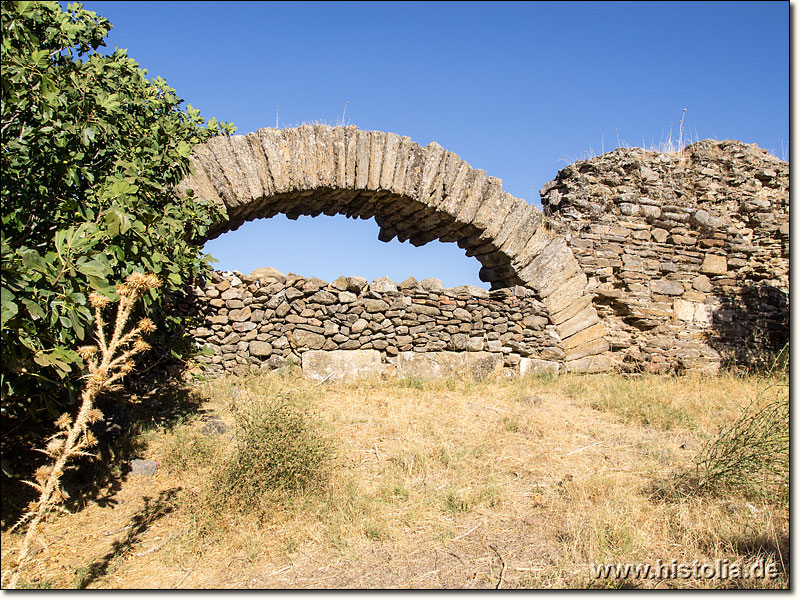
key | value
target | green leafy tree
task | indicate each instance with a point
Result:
(91, 153)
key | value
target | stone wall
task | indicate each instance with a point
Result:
(414, 193)
(268, 319)
(687, 254)
(642, 261)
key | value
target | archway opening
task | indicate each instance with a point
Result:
(330, 246)
(414, 194)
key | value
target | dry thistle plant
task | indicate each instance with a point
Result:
(108, 363)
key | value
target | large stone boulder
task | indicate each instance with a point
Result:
(341, 364)
(433, 365)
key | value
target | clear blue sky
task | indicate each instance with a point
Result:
(517, 89)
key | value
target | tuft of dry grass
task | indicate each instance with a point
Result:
(752, 453)
(669, 142)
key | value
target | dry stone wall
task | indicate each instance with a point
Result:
(269, 319)
(641, 260)
(687, 254)
(417, 194)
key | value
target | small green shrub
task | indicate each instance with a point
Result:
(511, 423)
(280, 449)
(751, 456)
(456, 503)
(375, 531)
(38, 584)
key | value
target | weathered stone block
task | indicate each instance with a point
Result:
(703, 313)
(424, 309)
(308, 339)
(409, 283)
(431, 284)
(535, 366)
(268, 274)
(702, 284)
(714, 264)
(323, 297)
(597, 330)
(232, 293)
(585, 318)
(459, 342)
(381, 285)
(341, 364)
(659, 235)
(373, 306)
(684, 310)
(468, 291)
(597, 346)
(292, 294)
(693, 296)
(359, 326)
(260, 349)
(590, 364)
(475, 344)
(433, 365)
(667, 287)
(242, 314)
(494, 345)
(576, 307)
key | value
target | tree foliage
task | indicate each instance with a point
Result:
(91, 152)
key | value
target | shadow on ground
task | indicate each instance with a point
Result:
(140, 522)
(159, 401)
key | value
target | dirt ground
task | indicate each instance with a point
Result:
(435, 485)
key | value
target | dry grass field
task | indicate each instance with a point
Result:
(447, 484)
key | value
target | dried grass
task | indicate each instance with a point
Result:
(456, 483)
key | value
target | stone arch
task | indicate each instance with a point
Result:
(415, 194)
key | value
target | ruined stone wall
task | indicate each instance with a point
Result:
(644, 261)
(687, 254)
(417, 194)
(267, 320)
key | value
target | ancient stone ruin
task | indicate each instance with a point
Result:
(640, 261)
(687, 254)
(269, 319)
